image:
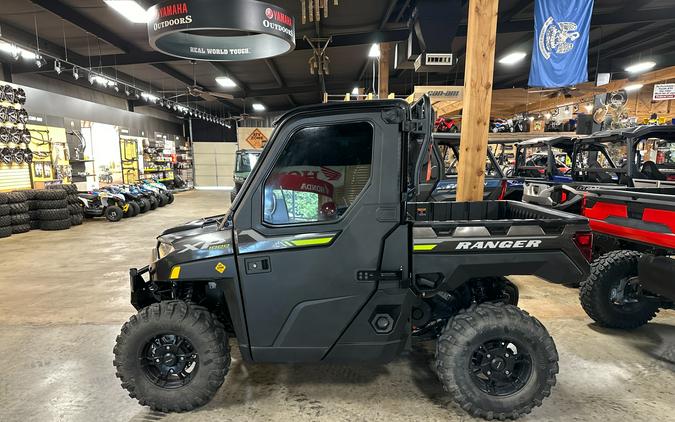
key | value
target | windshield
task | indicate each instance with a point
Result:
(246, 161)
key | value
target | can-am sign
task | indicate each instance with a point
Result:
(190, 29)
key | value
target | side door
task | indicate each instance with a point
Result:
(311, 226)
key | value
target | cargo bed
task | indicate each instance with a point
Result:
(498, 238)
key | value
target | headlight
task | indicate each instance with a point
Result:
(165, 249)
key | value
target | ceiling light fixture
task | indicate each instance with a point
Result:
(513, 58)
(225, 81)
(57, 67)
(632, 87)
(76, 73)
(149, 97)
(131, 10)
(355, 91)
(40, 61)
(641, 67)
(589, 107)
(374, 51)
(258, 107)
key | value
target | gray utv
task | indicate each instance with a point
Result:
(331, 252)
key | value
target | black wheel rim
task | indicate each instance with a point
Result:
(500, 367)
(169, 361)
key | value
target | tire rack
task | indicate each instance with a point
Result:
(14, 176)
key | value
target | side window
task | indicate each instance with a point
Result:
(320, 173)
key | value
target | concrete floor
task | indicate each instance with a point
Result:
(65, 296)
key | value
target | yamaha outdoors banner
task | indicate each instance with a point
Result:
(560, 51)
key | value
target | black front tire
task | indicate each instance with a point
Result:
(521, 339)
(146, 205)
(163, 200)
(194, 323)
(154, 203)
(113, 213)
(171, 197)
(136, 208)
(595, 294)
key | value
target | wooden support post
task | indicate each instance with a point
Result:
(385, 54)
(479, 69)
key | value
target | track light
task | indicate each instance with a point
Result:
(40, 61)
(57, 67)
(76, 73)
(126, 91)
(588, 107)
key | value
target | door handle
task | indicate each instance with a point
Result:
(257, 265)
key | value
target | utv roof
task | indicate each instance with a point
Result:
(637, 132)
(340, 106)
(548, 140)
(453, 139)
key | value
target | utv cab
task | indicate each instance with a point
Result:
(332, 252)
(545, 158)
(496, 186)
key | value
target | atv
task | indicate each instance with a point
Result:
(130, 198)
(161, 199)
(102, 203)
(331, 252)
(164, 192)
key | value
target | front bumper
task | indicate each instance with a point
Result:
(140, 290)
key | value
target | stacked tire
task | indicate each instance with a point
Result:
(53, 209)
(32, 208)
(18, 211)
(74, 204)
(5, 217)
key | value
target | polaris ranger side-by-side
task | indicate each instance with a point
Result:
(331, 252)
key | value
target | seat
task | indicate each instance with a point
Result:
(88, 196)
(652, 172)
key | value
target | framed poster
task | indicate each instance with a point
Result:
(37, 170)
(47, 170)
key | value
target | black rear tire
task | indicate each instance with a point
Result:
(136, 208)
(154, 203)
(211, 355)
(596, 291)
(171, 197)
(113, 213)
(146, 205)
(519, 372)
(163, 200)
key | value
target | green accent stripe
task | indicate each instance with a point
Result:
(312, 242)
(422, 247)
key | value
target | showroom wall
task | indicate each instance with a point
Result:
(214, 164)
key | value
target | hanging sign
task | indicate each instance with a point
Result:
(560, 50)
(257, 139)
(216, 30)
(663, 92)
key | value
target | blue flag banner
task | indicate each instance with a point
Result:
(560, 51)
